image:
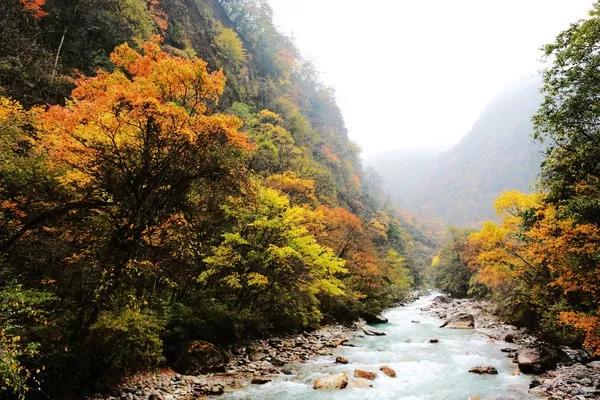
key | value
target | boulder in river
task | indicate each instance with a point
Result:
(199, 357)
(460, 321)
(331, 382)
(441, 299)
(361, 373)
(373, 332)
(534, 383)
(341, 360)
(484, 369)
(375, 319)
(259, 380)
(508, 350)
(388, 371)
(535, 360)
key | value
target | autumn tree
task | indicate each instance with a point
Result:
(271, 265)
(395, 270)
(568, 252)
(35, 7)
(232, 48)
(540, 266)
(154, 202)
(136, 153)
(341, 229)
(566, 235)
(275, 147)
(298, 189)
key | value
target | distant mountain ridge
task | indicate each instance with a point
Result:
(459, 185)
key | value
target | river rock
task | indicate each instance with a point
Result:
(341, 360)
(277, 362)
(259, 380)
(388, 371)
(460, 321)
(373, 332)
(534, 383)
(594, 364)
(215, 389)
(361, 373)
(337, 381)
(535, 360)
(256, 354)
(575, 381)
(441, 299)
(508, 350)
(198, 356)
(484, 369)
(375, 319)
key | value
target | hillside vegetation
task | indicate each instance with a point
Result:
(540, 261)
(459, 185)
(173, 171)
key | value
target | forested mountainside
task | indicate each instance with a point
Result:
(540, 260)
(173, 171)
(458, 186)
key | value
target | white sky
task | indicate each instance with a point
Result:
(416, 74)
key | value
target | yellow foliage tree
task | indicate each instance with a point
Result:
(544, 258)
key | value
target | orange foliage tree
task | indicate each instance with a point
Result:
(137, 146)
(341, 230)
(541, 257)
(144, 132)
(570, 251)
(35, 7)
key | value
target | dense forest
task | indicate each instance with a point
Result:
(174, 171)
(540, 261)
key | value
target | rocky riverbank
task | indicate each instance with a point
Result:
(256, 362)
(559, 373)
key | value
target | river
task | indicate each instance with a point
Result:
(424, 370)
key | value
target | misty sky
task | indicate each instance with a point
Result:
(416, 74)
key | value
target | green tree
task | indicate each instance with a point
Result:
(569, 119)
(451, 273)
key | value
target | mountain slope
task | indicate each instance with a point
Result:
(459, 185)
(186, 178)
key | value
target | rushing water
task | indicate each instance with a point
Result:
(424, 371)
